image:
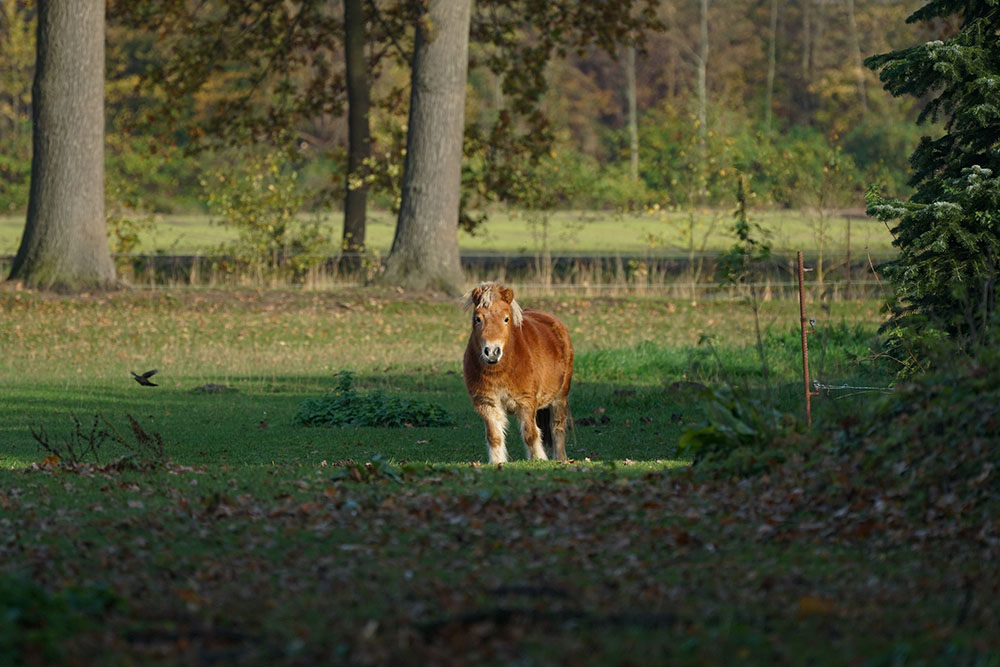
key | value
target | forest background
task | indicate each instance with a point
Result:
(773, 90)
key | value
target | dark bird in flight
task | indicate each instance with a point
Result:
(144, 378)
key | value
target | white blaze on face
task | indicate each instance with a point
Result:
(495, 312)
(492, 351)
(492, 328)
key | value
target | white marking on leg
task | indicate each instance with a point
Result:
(496, 430)
(532, 436)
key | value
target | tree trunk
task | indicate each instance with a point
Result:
(859, 61)
(702, 66)
(633, 114)
(806, 41)
(425, 248)
(359, 134)
(65, 244)
(771, 66)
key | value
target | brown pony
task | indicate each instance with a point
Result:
(517, 362)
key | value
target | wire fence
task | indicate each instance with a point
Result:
(689, 275)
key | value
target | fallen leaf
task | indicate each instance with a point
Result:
(811, 605)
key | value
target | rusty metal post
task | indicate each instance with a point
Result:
(805, 346)
(847, 288)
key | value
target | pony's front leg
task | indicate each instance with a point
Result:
(530, 433)
(495, 420)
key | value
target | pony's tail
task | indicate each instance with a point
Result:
(572, 423)
(543, 420)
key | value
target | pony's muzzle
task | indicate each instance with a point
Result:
(492, 353)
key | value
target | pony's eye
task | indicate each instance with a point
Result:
(477, 320)
(506, 319)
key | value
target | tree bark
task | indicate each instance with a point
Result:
(771, 66)
(359, 134)
(633, 114)
(859, 60)
(702, 71)
(424, 253)
(806, 41)
(65, 246)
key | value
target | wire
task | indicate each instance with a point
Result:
(829, 387)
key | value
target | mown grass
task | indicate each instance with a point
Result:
(273, 350)
(514, 232)
(266, 543)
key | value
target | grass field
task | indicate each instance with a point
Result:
(275, 348)
(566, 232)
(262, 542)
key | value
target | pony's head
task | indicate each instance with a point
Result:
(494, 314)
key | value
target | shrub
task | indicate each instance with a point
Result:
(937, 434)
(882, 146)
(35, 623)
(931, 444)
(789, 169)
(80, 446)
(739, 433)
(259, 196)
(348, 407)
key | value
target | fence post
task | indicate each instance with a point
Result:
(805, 346)
(847, 289)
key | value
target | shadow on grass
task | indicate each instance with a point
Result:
(252, 422)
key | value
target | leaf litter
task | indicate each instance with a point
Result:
(437, 564)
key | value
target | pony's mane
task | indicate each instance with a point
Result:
(484, 293)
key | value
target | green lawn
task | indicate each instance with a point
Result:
(276, 348)
(564, 232)
(261, 542)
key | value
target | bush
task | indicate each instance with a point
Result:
(348, 407)
(260, 197)
(15, 170)
(882, 147)
(931, 443)
(35, 622)
(788, 169)
(81, 446)
(738, 433)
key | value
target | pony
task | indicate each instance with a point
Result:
(517, 362)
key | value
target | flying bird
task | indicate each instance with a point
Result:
(144, 378)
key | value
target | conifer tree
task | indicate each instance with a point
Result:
(948, 233)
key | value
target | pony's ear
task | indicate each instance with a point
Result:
(473, 297)
(507, 294)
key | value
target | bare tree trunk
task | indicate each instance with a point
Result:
(667, 13)
(498, 100)
(806, 40)
(425, 248)
(702, 67)
(819, 16)
(633, 115)
(771, 57)
(702, 87)
(359, 133)
(65, 243)
(859, 65)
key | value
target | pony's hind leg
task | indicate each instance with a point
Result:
(543, 420)
(559, 411)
